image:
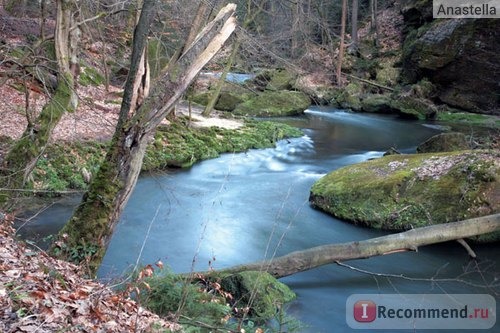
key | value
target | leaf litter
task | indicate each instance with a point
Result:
(41, 294)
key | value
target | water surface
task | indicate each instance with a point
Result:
(250, 206)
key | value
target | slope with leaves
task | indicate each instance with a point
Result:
(41, 294)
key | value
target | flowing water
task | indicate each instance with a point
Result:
(244, 207)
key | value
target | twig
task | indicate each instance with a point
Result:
(369, 82)
(469, 250)
(404, 277)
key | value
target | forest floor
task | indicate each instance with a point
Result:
(41, 294)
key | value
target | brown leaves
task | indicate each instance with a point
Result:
(42, 294)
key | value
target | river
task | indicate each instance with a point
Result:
(250, 206)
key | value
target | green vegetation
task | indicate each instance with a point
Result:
(408, 191)
(181, 146)
(274, 104)
(226, 302)
(63, 165)
(473, 119)
(90, 76)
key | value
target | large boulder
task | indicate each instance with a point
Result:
(457, 56)
(405, 191)
(350, 97)
(450, 141)
(377, 103)
(274, 104)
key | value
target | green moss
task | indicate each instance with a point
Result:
(376, 103)
(259, 291)
(350, 97)
(274, 104)
(181, 146)
(60, 167)
(405, 191)
(90, 76)
(222, 301)
(388, 76)
(414, 108)
(280, 80)
(470, 118)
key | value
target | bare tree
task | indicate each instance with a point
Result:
(90, 228)
(374, 22)
(353, 48)
(340, 57)
(22, 157)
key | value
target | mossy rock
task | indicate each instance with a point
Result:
(450, 141)
(259, 291)
(281, 80)
(377, 103)
(274, 104)
(350, 98)
(401, 192)
(388, 76)
(414, 108)
(181, 146)
(228, 101)
(423, 89)
(200, 98)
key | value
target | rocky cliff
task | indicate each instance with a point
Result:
(459, 56)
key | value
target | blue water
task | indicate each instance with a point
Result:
(244, 207)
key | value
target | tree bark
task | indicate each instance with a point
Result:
(353, 48)
(23, 156)
(91, 227)
(374, 23)
(342, 43)
(300, 261)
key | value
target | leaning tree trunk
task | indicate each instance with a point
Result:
(23, 156)
(300, 261)
(89, 230)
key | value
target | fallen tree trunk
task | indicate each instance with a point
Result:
(300, 261)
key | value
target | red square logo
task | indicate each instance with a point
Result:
(365, 311)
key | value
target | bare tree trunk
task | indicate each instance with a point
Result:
(91, 227)
(300, 261)
(353, 48)
(374, 23)
(22, 158)
(342, 44)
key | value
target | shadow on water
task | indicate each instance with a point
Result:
(249, 206)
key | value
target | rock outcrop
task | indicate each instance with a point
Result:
(459, 56)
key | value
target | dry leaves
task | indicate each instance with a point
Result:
(41, 294)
